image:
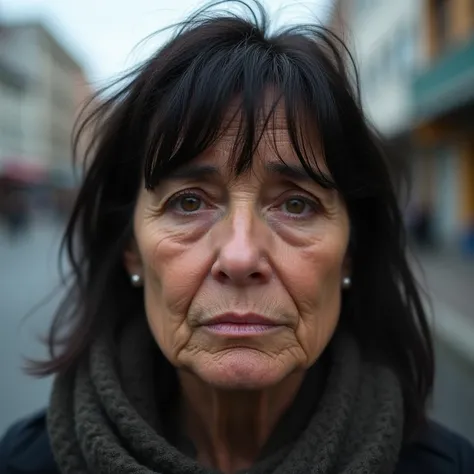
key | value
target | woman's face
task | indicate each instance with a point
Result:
(242, 275)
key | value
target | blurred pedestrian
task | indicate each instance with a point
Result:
(16, 213)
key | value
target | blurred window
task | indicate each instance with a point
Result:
(441, 14)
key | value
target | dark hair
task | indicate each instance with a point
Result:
(172, 107)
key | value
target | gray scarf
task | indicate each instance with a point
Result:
(105, 416)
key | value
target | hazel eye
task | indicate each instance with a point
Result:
(295, 206)
(185, 203)
(189, 203)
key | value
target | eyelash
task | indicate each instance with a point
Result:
(314, 204)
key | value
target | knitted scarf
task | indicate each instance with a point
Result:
(106, 415)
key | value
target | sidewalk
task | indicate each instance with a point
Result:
(449, 280)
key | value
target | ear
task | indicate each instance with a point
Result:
(132, 259)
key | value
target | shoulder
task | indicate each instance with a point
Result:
(437, 450)
(25, 447)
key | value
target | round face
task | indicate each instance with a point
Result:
(242, 275)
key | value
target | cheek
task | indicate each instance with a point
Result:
(315, 274)
(172, 269)
(173, 274)
(314, 282)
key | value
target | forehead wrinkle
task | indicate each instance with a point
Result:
(268, 116)
(262, 162)
(274, 143)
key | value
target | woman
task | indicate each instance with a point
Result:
(242, 301)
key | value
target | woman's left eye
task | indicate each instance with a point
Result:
(298, 206)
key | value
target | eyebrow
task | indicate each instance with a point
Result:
(297, 173)
(293, 172)
(208, 172)
(193, 172)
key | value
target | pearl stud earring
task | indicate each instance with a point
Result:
(136, 280)
(346, 283)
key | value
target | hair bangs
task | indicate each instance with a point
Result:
(238, 85)
(194, 111)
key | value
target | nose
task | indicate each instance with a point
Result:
(241, 250)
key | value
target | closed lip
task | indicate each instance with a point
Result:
(235, 318)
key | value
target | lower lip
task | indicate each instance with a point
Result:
(233, 329)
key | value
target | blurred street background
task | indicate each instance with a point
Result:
(416, 67)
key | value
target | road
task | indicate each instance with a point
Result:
(28, 276)
(28, 273)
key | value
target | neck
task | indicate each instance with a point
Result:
(230, 428)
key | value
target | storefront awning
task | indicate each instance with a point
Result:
(446, 85)
(22, 172)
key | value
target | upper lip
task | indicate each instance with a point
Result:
(236, 318)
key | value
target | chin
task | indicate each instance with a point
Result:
(241, 369)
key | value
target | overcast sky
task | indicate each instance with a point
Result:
(103, 34)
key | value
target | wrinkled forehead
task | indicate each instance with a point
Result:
(272, 138)
(270, 115)
(249, 137)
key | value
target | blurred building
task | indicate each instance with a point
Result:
(41, 87)
(384, 38)
(416, 66)
(443, 99)
(12, 86)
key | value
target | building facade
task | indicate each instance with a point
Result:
(443, 98)
(52, 80)
(384, 39)
(12, 88)
(416, 69)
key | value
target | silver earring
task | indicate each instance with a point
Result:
(136, 280)
(346, 283)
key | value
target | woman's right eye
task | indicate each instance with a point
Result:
(186, 203)
(189, 203)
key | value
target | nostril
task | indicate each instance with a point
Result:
(222, 276)
(255, 277)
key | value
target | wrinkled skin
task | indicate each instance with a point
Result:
(262, 242)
